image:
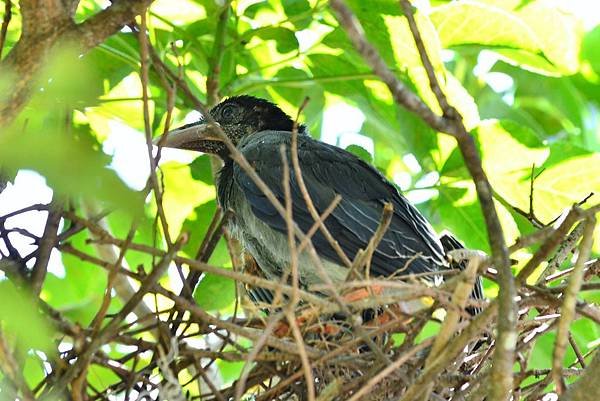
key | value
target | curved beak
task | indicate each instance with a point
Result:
(190, 136)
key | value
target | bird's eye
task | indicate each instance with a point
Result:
(228, 112)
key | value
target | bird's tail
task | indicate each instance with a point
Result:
(450, 243)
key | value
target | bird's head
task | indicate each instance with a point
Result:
(238, 117)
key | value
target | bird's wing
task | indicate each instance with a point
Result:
(408, 246)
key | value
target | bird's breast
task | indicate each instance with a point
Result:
(271, 249)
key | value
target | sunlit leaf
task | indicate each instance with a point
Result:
(558, 33)
(182, 193)
(214, 292)
(471, 22)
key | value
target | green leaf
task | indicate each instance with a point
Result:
(507, 161)
(539, 28)
(408, 58)
(461, 214)
(561, 185)
(558, 33)
(284, 38)
(214, 292)
(589, 51)
(201, 169)
(181, 194)
(230, 371)
(298, 12)
(360, 152)
(20, 318)
(471, 22)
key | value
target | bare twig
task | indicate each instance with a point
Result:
(47, 244)
(565, 248)
(568, 306)
(113, 326)
(548, 246)
(214, 63)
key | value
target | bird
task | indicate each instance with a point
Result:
(258, 129)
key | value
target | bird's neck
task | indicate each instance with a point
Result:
(224, 183)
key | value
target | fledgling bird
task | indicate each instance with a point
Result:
(258, 128)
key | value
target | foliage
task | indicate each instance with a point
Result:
(525, 75)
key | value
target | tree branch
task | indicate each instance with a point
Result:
(47, 23)
(402, 95)
(47, 244)
(451, 123)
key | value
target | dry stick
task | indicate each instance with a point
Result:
(454, 347)
(209, 244)
(105, 237)
(306, 368)
(533, 238)
(565, 248)
(575, 347)
(586, 388)
(37, 207)
(549, 244)
(107, 253)
(113, 326)
(77, 385)
(449, 111)
(459, 299)
(274, 319)
(203, 267)
(390, 369)
(568, 306)
(309, 203)
(112, 276)
(252, 356)
(289, 312)
(364, 258)
(254, 335)
(320, 221)
(213, 388)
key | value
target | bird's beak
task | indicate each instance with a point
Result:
(190, 136)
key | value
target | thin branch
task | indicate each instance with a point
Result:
(107, 22)
(568, 307)
(455, 347)
(214, 62)
(549, 244)
(113, 326)
(5, 22)
(47, 244)
(402, 95)
(586, 388)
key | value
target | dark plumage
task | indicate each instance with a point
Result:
(258, 128)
